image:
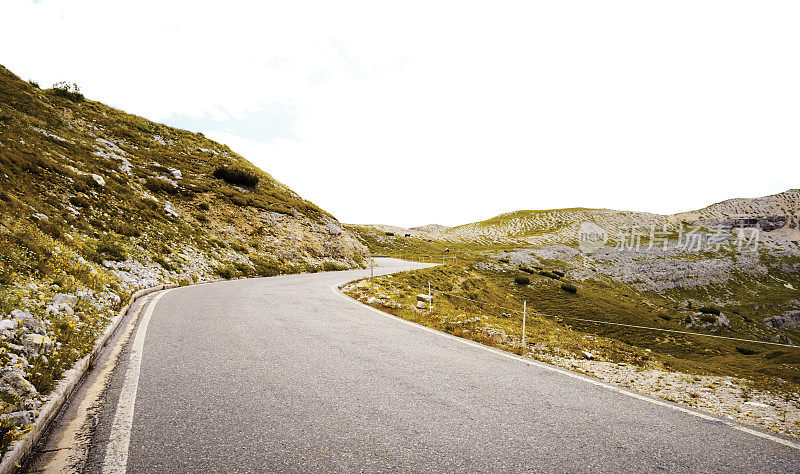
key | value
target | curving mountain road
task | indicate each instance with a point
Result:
(286, 374)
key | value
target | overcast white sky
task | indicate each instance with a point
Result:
(410, 113)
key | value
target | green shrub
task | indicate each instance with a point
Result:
(526, 270)
(243, 268)
(239, 247)
(710, 310)
(240, 201)
(547, 274)
(67, 91)
(224, 271)
(203, 206)
(569, 288)
(708, 318)
(111, 249)
(127, 229)
(265, 267)
(218, 243)
(237, 176)
(332, 267)
(389, 234)
(165, 264)
(151, 204)
(558, 273)
(160, 186)
(6, 276)
(52, 227)
(522, 280)
(79, 201)
(745, 351)
(504, 260)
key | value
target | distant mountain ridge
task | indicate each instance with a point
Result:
(777, 212)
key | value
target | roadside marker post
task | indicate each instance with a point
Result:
(524, 316)
(430, 306)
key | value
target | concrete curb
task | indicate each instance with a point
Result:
(12, 460)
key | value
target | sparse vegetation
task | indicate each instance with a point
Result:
(548, 274)
(569, 288)
(710, 310)
(237, 176)
(225, 271)
(94, 201)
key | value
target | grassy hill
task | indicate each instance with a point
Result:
(96, 203)
(630, 301)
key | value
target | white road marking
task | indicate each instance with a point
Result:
(116, 457)
(552, 368)
(72, 444)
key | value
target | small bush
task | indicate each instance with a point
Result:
(710, 310)
(165, 264)
(526, 270)
(243, 268)
(240, 201)
(112, 250)
(127, 229)
(69, 91)
(745, 351)
(6, 276)
(522, 280)
(558, 273)
(332, 267)
(390, 234)
(708, 318)
(665, 317)
(239, 247)
(52, 227)
(569, 288)
(547, 274)
(265, 267)
(160, 186)
(504, 260)
(79, 201)
(237, 176)
(224, 271)
(203, 206)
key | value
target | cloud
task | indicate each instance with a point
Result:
(416, 112)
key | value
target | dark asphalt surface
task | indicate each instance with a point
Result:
(282, 374)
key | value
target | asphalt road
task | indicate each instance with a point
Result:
(284, 374)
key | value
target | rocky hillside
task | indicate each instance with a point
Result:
(96, 203)
(551, 226)
(771, 213)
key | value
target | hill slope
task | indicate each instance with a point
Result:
(777, 215)
(96, 203)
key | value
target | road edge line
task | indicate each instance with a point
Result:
(15, 457)
(115, 459)
(337, 289)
